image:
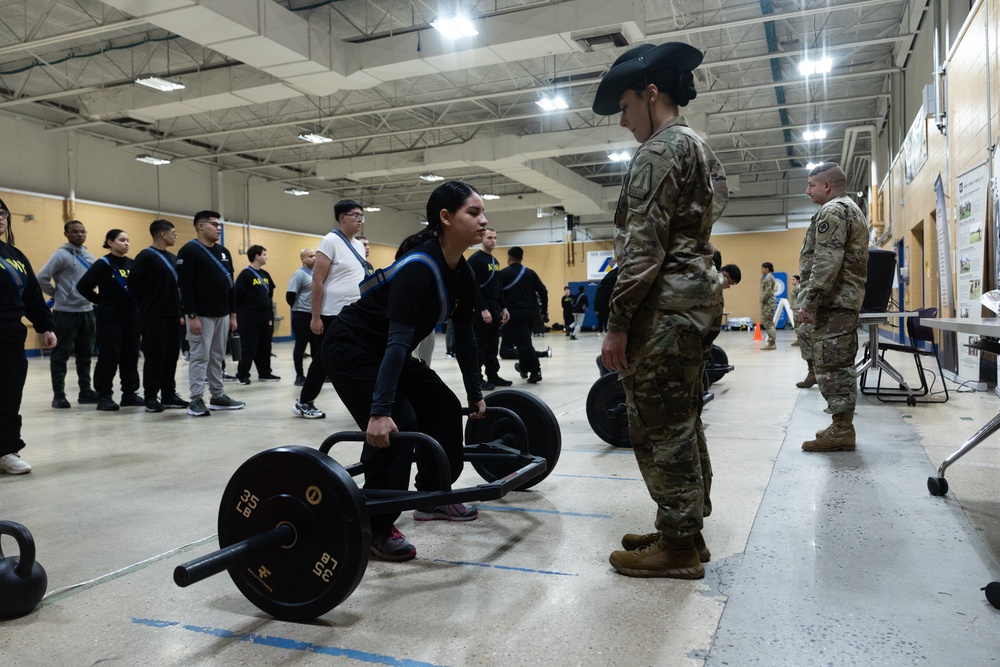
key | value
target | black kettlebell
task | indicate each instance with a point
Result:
(22, 580)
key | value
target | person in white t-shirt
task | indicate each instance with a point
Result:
(339, 268)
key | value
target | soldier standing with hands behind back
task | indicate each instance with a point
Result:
(666, 307)
(768, 286)
(834, 267)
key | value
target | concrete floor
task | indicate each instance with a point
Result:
(837, 559)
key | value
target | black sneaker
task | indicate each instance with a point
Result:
(153, 405)
(106, 404)
(59, 401)
(517, 367)
(242, 380)
(225, 403)
(300, 380)
(500, 382)
(535, 378)
(270, 377)
(226, 377)
(175, 402)
(131, 400)
(486, 386)
(87, 396)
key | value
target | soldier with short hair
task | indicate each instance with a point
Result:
(768, 287)
(833, 264)
(666, 306)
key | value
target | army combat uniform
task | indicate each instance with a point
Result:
(768, 286)
(668, 299)
(833, 266)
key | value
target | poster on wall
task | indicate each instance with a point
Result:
(971, 199)
(915, 146)
(947, 298)
(599, 262)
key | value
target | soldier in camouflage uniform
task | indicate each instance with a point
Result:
(793, 295)
(666, 307)
(768, 286)
(834, 266)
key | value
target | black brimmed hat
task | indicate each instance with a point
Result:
(637, 63)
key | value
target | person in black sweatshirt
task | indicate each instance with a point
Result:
(106, 284)
(205, 277)
(20, 296)
(491, 310)
(523, 291)
(153, 283)
(255, 317)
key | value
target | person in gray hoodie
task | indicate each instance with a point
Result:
(73, 314)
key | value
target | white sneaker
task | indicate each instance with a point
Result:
(307, 410)
(12, 464)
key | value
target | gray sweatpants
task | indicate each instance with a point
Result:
(207, 351)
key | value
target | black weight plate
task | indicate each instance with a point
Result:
(607, 394)
(312, 492)
(544, 436)
(718, 360)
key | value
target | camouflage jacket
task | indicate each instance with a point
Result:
(833, 264)
(674, 192)
(768, 286)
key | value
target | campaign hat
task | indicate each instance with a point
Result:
(637, 63)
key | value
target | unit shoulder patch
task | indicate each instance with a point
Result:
(642, 182)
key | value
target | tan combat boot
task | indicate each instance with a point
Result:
(810, 381)
(839, 437)
(672, 557)
(633, 541)
(770, 345)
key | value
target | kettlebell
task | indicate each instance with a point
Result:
(22, 580)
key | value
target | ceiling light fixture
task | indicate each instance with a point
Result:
(314, 138)
(431, 177)
(809, 67)
(620, 156)
(372, 209)
(156, 83)
(491, 196)
(809, 135)
(152, 159)
(553, 103)
(812, 165)
(296, 192)
(455, 27)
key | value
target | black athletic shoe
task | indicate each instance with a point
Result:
(535, 378)
(175, 402)
(153, 405)
(270, 377)
(517, 367)
(486, 386)
(500, 382)
(59, 401)
(106, 404)
(131, 400)
(87, 396)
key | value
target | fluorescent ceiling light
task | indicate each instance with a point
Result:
(454, 27)
(297, 192)
(152, 159)
(423, 222)
(314, 138)
(157, 83)
(554, 103)
(372, 209)
(809, 135)
(813, 165)
(431, 177)
(491, 196)
(621, 156)
(809, 67)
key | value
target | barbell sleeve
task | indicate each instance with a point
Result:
(201, 568)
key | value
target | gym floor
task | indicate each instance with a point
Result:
(817, 559)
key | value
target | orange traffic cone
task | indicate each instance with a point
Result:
(756, 332)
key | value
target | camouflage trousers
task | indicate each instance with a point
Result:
(830, 346)
(665, 397)
(767, 319)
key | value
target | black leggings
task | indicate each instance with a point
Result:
(424, 403)
(118, 345)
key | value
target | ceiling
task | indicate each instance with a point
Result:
(399, 100)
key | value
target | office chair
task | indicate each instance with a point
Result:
(915, 333)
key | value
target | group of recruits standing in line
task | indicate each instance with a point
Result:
(665, 311)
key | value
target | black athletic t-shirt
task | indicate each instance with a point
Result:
(487, 271)
(410, 302)
(100, 284)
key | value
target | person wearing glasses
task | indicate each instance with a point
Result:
(153, 283)
(20, 296)
(205, 277)
(340, 266)
(368, 354)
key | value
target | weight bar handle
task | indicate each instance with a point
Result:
(433, 447)
(235, 554)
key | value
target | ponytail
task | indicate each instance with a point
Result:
(413, 240)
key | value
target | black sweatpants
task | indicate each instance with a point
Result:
(118, 351)
(303, 336)
(424, 403)
(488, 341)
(161, 340)
(255, 342)
(316, 375)
(521, 325)
(14, 371)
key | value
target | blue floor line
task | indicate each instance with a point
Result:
(614, 477)
(286, 644)
(501, 567)
(507, 508)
